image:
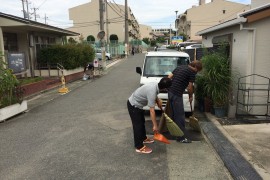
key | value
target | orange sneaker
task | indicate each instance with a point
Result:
(148, 141)
(144, 150)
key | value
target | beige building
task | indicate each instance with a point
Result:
(206, 15)
(86, 20)
(145, 31)
(249, 41)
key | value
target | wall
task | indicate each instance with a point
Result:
(262, 47)
(257, 3)
(23, 47)
(246, 60)
(211, 14)
(1, 42)
(145, 31)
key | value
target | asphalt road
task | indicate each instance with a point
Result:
(87, 134)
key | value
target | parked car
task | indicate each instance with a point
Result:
(159, 64)
(193, 46)
(99, 55)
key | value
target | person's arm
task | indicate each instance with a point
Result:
(190, 91)
(159, 103)
(170, 75)
(153, 118)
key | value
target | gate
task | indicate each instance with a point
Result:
(253, 98)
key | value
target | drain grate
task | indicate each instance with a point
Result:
(237, 165)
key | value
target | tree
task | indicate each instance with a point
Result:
(185, 37)
(153, 43)
(161, 40)
(146, 40)
(72, 41)
(90, 38)
(113, 38)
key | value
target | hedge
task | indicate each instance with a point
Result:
(71, 56)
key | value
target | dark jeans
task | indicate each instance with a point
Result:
(138, 123)
(178, 112)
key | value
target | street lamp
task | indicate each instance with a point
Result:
(176, 24)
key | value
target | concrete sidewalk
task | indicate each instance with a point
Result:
(245, 150)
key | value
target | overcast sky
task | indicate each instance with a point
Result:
(155, 13)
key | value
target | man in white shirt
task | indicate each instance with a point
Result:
(145, 95)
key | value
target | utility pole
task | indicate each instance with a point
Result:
(23, 9)
(27, 9)
(101, 17)
(126, 28)
(35, 14)
(107, 24)
(46, 19)
(176, 23)
(170, 34)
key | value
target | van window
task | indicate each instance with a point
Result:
(162, 66)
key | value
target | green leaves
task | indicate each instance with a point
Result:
(8, 85)
(217, 77)
(71, 56)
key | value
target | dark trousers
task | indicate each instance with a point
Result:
(138, 123)
(178, 112)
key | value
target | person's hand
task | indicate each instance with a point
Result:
(155, 129)
(159, 103)
(191, 99)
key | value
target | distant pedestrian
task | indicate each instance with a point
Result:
(89, 67)
(133, 51)
(145, 95)
(182, 77)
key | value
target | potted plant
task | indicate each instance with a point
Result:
(203, 99)
(199, 91)
(218, 77)
(11, 95)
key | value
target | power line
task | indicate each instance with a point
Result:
(114, 9)
(118, 7)
(42, 4)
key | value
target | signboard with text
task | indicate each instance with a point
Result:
(177, 39)
(16, 62)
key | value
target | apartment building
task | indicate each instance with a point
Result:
(206, 15)
(146, 31)
(86, 20)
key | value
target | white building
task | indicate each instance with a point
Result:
(249, 41)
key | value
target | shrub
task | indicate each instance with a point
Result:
(10, 91)
(217, 76)
(71, 56)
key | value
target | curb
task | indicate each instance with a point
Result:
(235, 159)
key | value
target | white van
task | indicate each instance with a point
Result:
(158, 64)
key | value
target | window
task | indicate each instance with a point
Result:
(10, 42)
(162, 66)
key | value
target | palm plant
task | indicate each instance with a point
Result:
(217, 76)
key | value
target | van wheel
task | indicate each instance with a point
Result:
(187, 114)
(146, 112)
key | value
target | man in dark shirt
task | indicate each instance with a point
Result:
(182, 77)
